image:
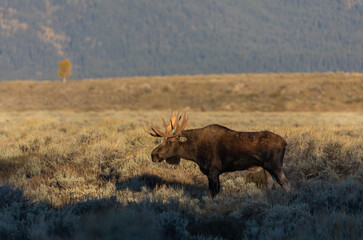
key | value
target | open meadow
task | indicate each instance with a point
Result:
(75, 162)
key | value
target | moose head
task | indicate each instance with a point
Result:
(171, 148)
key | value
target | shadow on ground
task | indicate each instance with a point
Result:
(152, 181)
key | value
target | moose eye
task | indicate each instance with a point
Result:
(169, 143)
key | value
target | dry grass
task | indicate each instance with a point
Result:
(228, 92)
(62, 157)
(68, 173)
(65, 159)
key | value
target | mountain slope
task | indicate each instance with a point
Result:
(163, 37)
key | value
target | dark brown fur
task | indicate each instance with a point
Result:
(217, 149)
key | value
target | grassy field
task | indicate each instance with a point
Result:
(67, 173)
(244, 92)
(96, 165)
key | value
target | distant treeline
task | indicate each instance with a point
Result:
(118, 38)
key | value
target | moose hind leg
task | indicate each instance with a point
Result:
(214, 184)
(281, 179)
(269, 180)
(274, 167)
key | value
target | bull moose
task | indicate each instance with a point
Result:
(217, 149)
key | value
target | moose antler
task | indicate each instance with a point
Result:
(173, 124)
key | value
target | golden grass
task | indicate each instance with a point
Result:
(60, 157)
(79, 148)
(67, 145)
(227, 92)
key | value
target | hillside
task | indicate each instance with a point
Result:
(163, 37)
(226, 92)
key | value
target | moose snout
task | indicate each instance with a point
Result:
(155, 156)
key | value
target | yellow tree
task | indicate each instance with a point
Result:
(65, 69)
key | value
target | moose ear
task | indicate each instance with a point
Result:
(182, 139)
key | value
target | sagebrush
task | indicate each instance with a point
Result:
(80, 175)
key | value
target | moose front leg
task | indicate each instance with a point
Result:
(214, 184)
